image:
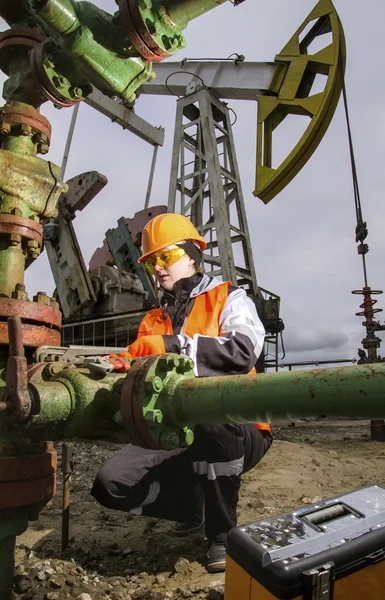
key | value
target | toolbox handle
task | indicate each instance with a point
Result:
(376, 557)
(325, 515)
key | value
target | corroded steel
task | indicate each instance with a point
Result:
(26, 228)
(16, 397)
(28, 479)
(33, 335)
(30, 311)
(24, 115)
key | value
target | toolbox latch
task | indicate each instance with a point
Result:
(319, 582)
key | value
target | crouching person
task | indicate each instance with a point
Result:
(217, 325)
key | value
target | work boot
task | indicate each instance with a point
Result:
(183, 529)
(216, 557)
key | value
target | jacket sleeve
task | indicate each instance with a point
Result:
(236, 349)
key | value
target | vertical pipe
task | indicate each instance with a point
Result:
(12, 523)
(66, 468)
(151, 176)
(69, 139)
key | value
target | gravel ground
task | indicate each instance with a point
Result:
(113, 556)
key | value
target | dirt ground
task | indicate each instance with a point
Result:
(112, 556)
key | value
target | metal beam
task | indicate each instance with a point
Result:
(118, 113)
(229, 80)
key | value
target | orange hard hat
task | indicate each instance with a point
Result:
(165, 230)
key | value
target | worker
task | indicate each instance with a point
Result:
(216, 324)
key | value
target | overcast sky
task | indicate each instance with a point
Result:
(303, 241)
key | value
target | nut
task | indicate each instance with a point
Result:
(14, 239)
(42, 298)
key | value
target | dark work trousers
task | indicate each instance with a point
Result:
(184, 484)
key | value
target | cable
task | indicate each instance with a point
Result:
(361, 231)
(176, 73)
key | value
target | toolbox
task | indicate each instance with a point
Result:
(332, 550)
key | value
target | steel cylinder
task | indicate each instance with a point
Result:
(183, 11)
(337, 392)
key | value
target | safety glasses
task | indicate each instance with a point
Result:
(164, 259)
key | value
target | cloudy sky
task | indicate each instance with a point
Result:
(303, 241)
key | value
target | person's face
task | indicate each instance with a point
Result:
(168, 275)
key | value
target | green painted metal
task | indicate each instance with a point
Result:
(181, 12)
(12, 523)
(292, 95)
(94, 44)
(173, 400)
(349, 392)
(73, 403)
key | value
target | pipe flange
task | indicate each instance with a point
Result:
(147, 413)
(41, 323)
(29, 120)
(26, 228)
(40, 67)
(30, 311)
(17, 39)
(140, 36)
(28, 479)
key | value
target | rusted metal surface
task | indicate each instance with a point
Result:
(33, 335)
(26, 115)
(66, 468)
(30, 311)
(28, 479)
(16, 394)
(16, 37)
(48, 89)
(131, 404)
(140, 37)
(20, 225)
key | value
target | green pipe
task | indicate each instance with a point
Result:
(12, 523)
(59, 14)
(336, 392)
(181, 12)
(75, 404)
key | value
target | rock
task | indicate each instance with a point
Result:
(216, 590)
(70, 581)
(160, 579)
(182, 565)
(127, 551)
(49, 571)
(41, 576)
(55, 584)
(21, 584)
(84, 596)
(51, 596)
(184, 592)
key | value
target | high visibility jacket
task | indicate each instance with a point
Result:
(203, 319)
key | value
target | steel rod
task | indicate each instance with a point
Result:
(66, 468)
(349, 392)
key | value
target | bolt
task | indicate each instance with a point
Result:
(17, 212)
(42, 149)
(19, 292)
(154, 384)
(76, 92)
(25, 130)
(35, 218)
(169, 440)
(185, 364)
(20, 287)
(188, 436)
(33, 244)
(151, 76)
(42, 298)
(14, 239)
(54, 304)
(154, 416)
(172, 362)
(5, 128)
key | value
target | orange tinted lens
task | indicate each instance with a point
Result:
(164, 259)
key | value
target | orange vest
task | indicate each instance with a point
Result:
(203, 319)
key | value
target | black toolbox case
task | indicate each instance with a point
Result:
(309, 552)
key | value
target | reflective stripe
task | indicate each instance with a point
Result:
(152, 495)
(219, 469)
